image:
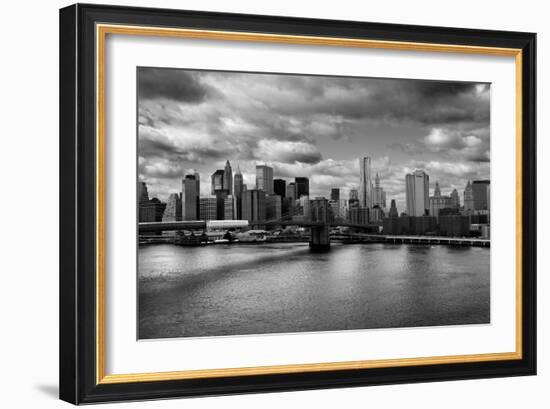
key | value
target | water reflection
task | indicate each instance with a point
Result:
(253, 289)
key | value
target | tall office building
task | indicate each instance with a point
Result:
(378, 193)
(479, 190)
(438, 202)
(172, 212)
(208, 208)
(264, 179)
(393, 210)
(221, 195)
(254, 205)
(291, 191)
(238, 188)
(279, 187)
(228, 178)
(302, 187)
(353, 194)
(143, 194)
(217, 181)
(365, 182)
(455, 199)
(417, 193)
(335, 194)
(468, 197)
(228, 208)
(273, 207)
(189, 198)
(198, 182)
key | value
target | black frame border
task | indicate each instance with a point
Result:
(77, 148)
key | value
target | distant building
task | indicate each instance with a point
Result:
(172, 212)
(479, 190)
(376, 214)
(238, 188)
(217, 181)
(291, 191)
(409, 225)
(273, 210)
(228, 178)
(454, 225)
(417, 193)
(353, 194)
(305, 206)
(221, 195)
(393, 210)
(455, 199)
(190, 197)
(143, 194)
(378, 193)
(279, 187)
(358, 215)
(438, 202)
(468, 197)
(208, 208)
(229, 208)
(302, 187)
(254, 205)
(365, 182)
(335, 194)
(264, 179)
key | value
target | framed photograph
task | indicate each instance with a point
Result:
(257, 203)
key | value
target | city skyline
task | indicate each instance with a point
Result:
(309, 126)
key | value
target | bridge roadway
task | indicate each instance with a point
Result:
(147, 227)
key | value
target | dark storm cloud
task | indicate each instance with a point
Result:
(177, 85)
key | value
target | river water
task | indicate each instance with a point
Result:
(283, 287)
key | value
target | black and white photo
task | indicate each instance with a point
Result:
(287, 203)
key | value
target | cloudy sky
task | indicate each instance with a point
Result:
(314, 126)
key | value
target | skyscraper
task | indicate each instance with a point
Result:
(172, 212)
(279, 187)
(417, 193)
(217, 181)
(189, 198)
(228, 208)
(143, 194)
(365, 182)
(468, 197)
(238, 188)
(208, 208)
(353, 194)
(273, 207)
(264, 179)
(479, 190)
(291, 191)
(302, 187)
(393, 210)
(254, 205)
(228, 178)
(379, 194)
(455, 199)
(438, 202)
(335, 194)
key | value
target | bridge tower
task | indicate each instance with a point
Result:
(319, 240)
